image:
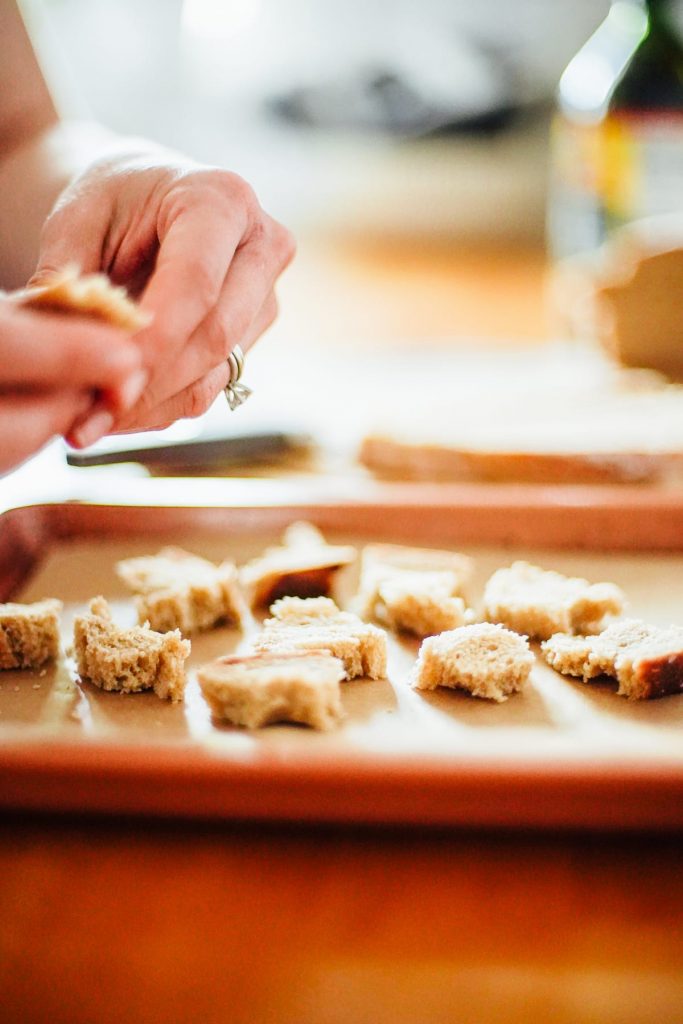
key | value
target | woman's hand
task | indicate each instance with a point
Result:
(194, 245)
(50, 366)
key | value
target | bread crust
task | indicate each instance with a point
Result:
(304, 565)
(396, 459)
(646, 660)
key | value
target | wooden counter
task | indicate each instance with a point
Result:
(127, 921)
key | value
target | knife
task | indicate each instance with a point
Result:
(205, 453)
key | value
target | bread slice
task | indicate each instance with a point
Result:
(129, 660)
(484, 659)
(29, 633)
(93, 295)
(647, 661)
(259, 689)
(539, 602)
(315, 624)
(653, 668)
(417, 590)
(395, 458)
(636, 313)
(304, 565)
(178, 590)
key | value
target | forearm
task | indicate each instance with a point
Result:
(39, 155)
(31, 177)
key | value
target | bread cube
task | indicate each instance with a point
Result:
(178, 590)
(313, 624)
(539, 602)
(485, 660)
(129, 660)
(29, 633)
(260, 689)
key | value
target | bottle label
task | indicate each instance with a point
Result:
(628, 166)
(642, 165)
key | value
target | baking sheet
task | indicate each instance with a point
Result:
(558, 728)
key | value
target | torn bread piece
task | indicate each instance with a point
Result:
(67, 291)
(590, 656)
(539, 602)
(178, 590)
(314, 624)
(29, 633)
(417, 590)
(621, 461)
(129, 660)
(259, 689)
(420, 603)
(484, 659)
(646, 661)
(304, 565)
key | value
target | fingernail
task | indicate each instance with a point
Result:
(133, 388)
(92, 429)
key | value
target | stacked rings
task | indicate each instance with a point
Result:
(235, 392)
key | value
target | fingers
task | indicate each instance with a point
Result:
(215, 256)
(196, 399)
(246, 291)
(193, 401)
(201, 224)
(42, 350)
(29, 421)
(245, 309)
(220, 257)
(245, 301)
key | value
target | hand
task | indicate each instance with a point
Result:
(49, 367)
(193, 243)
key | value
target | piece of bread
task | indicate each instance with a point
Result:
(638, 317)
(304, 565)
(29, 633)
(129, 660)
(178, 590)
(400, 557)
(590, 656)
(315, 624)
(396, 458)
(646, 661)
(419, 603)
(484, 659)
(259, 689)
(93, 295)
(539, 602)
(417, 590)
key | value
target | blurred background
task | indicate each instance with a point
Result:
(388, 135)
(383, 116)
(408, 148)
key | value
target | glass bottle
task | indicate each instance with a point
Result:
(617, 138)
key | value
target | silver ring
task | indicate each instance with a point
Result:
(235, 392)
